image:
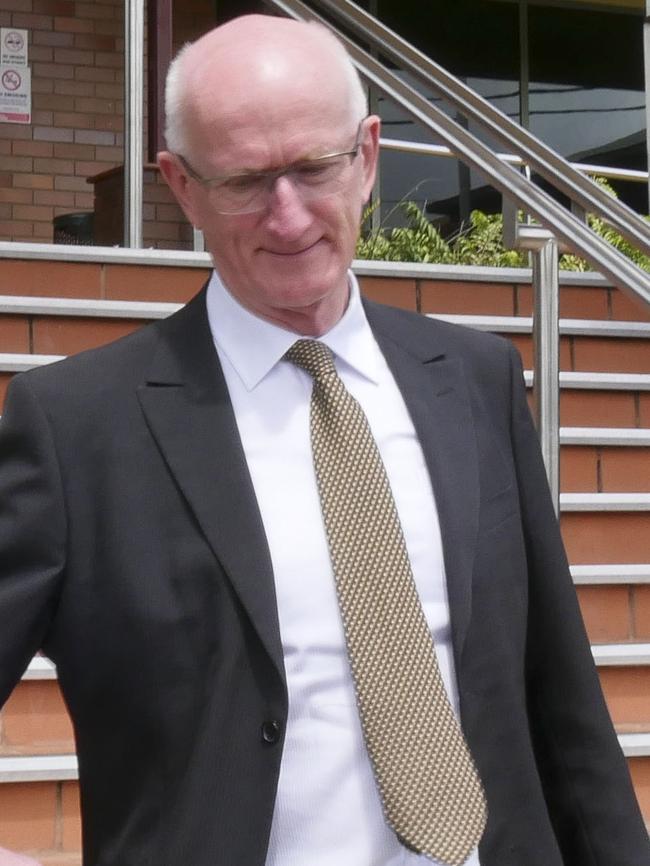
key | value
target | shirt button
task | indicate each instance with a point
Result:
(271, 730)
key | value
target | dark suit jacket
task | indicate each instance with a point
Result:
(132, 551)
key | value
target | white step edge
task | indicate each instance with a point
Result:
(599, 381)
(621, 654)
(14, 362)
(86, 307)
(40, 668)
(38, 768)
(635, 745)
(621, 573)
(613, 436)
(361, 267)
(604, 502)
(568, 327)
(93, 307)
(64, 768)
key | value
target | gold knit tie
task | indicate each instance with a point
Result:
(427, 781)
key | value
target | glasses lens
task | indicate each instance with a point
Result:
(313, 178)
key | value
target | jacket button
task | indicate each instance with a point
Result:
(271, 730)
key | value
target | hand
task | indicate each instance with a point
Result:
(9, 858)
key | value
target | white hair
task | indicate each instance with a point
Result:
(176, 102)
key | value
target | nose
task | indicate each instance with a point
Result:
(287, 215)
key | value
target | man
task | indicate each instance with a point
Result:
(161, 534)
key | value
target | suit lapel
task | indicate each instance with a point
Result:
(435, 391)
(187, 407)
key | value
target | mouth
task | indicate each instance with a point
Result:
(293, 253)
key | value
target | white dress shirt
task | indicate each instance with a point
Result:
(327, 810)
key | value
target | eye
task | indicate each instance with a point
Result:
(317, 170)
(242, 183)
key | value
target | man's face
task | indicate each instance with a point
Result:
(287, 262)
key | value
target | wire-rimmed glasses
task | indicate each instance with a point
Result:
(248, 192)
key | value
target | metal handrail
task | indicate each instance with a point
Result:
(472, 151)
(607, 171)
(540, 157)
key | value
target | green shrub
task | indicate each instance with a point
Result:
(478, 243)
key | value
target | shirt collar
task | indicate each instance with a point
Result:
(253, 346)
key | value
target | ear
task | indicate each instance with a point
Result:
(370, 153)
(178, 182)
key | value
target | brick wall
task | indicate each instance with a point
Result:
(76, 54)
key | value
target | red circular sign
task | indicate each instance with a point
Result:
(11, 79)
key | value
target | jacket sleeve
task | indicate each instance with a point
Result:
(588, 791)
(32, 531)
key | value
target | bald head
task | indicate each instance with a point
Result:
(248, 67)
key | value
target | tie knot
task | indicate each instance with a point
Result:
(314, 357)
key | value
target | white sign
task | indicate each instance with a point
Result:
(13, 47)
(15, 94)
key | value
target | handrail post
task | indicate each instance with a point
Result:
(133, 121)
(546, 347)
(543, 247)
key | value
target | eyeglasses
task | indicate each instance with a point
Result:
(248, 192)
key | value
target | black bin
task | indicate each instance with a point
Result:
(73, 228)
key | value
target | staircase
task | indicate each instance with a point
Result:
(51, 308)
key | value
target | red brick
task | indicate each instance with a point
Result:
(53, 70)
(32, 212)
(74, 56)
(5, 378)
(54, 166)
(626, 692)
(96, 41)
(640, 772)
(43, 133)
(28, 812)
(76, 184)
(641, 609)
(396, 292)
(129, 282)
(625, 470)
(458, 297)
(92, 73)
(42, 85)
(74, 88)
(32, 22)
(32, 148)
(627, 308)
(16, 130)
(582, 408)
(576, 302)
(606, 612)
(68, 24)
(50, 37)
(644, 409)
(612, 355)
(58, 102)
(579, 469)
(35, 716)
(54, 7)
(94, 10)
(73, 120)
(50, 279)
(16, 196)
(60, 335)
(606, 537)
(17, 163)
(14, 334)
(73, 151)
(58, 199)
(42, 53)
(71, 819)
